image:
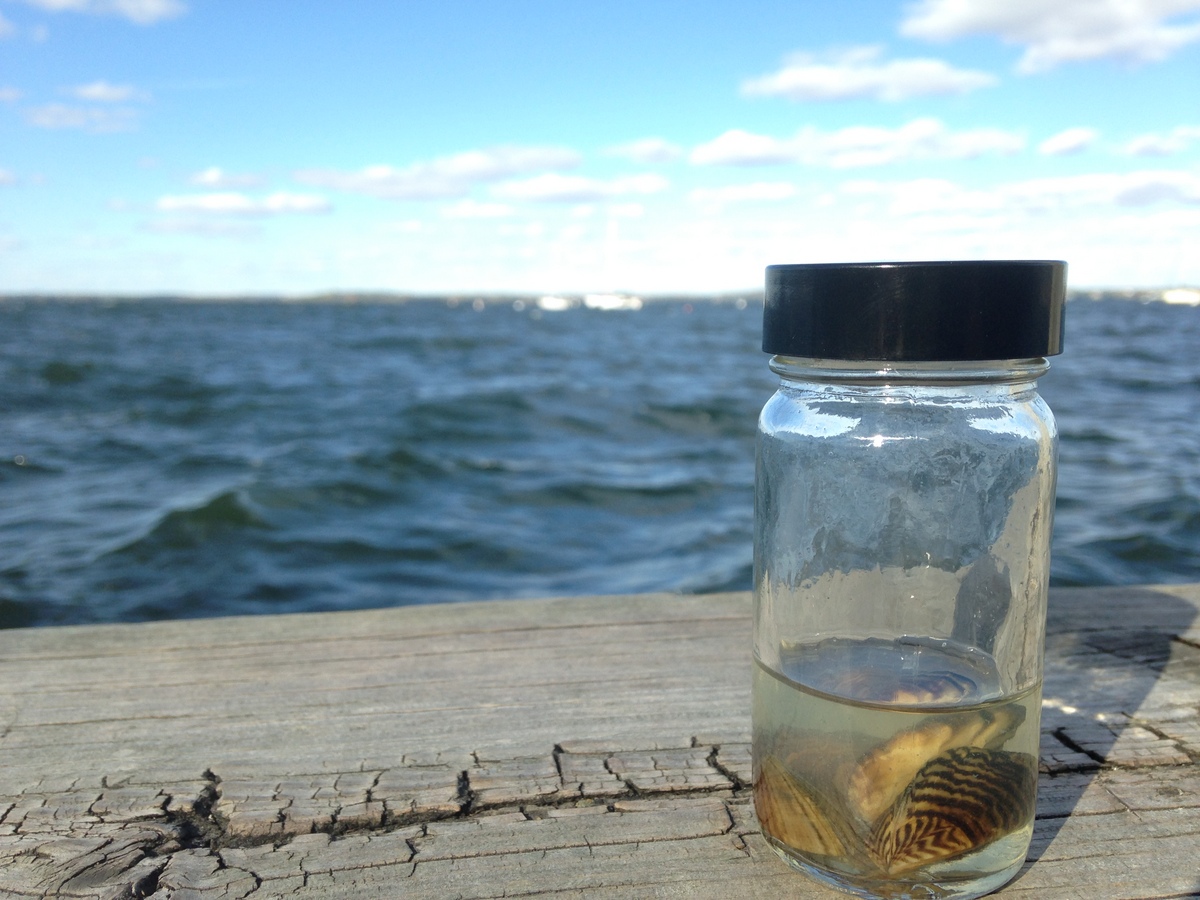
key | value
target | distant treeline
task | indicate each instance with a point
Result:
(1144, 295)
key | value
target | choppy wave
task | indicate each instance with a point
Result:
(162, 460)
(218, 518)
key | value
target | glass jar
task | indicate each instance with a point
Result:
(903, 508)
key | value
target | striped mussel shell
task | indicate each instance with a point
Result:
(796, 814)
(958, 802)
(883, 774)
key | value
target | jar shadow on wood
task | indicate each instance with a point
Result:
(1104, 688)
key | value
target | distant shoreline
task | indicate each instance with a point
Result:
(1142, 295)
(374, 297)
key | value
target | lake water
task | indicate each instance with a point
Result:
(169, 459)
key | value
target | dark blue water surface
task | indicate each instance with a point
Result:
(168, 459)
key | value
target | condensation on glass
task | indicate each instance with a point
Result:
(904, 503)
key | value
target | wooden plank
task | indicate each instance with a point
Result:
(574, 747)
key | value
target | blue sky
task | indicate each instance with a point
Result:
(219, 147)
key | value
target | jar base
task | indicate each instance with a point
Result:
(947, 888)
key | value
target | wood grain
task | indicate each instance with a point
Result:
(591, 747)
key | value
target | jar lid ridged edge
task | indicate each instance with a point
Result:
(916, 311)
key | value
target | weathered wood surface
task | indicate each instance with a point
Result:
(587, 747)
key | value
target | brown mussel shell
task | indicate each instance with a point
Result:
(926, 689)
(882, 775)
(796, 815)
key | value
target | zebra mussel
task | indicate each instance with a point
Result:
(930, 794)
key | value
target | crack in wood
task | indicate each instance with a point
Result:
(1162, 734)
(1060, 734)
(466, 796)
(714, 760)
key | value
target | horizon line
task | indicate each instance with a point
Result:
(398, 296)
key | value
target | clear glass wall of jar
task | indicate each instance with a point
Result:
(902, 536)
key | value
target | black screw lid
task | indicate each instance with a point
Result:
(916, 311)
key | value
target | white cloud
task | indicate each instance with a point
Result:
(555, 188)
(742, 148)
(10, 94)
(235, 203)
(204, 227)
(216, 177)
(1135, 229)
(524, 229)
(404, 226)
(625, 210)
(143, 12)
(449, 176)
(647, 150)
(1064, 30)
(926, 195)
(1074, 193)
(7, 29)
(1071, 140)
(860, 73)
(7, 177)
(1146, 188)
(758, 191)
(102, 116)
(473, 209)
(103, 92)
(85, 118)
(857, 146)
(1175, 141)
(1126, 189)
